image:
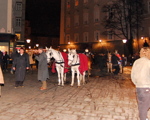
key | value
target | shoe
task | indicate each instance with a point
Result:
(42, 88)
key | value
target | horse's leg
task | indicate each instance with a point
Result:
(108, 67)
(78, 77)
(58, 73)
(83, 78)
(62, 76)
(72, 81)
(111, 68)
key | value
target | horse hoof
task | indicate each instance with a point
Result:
(78, 86)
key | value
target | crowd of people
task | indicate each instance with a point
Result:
(22, 61)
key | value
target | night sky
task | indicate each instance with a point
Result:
(44, 16)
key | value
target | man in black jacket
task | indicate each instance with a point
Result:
(20, 64)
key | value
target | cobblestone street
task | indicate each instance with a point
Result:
(102, 98)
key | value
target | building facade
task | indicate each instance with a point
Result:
(81, 27)
(12, 24)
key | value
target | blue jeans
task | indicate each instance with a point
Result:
(143, 97)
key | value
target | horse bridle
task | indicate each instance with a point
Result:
(76, 61)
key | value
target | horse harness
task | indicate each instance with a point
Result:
(75, 62)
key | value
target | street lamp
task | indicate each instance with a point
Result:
(37, 45)
(28, 40)
(124, 42)
(100, 41)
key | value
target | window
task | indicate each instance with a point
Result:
(76, 2)
(76, 20)
(148, 6)
(110, 35)
(96, 14)
(76, 37)
(18, 22)
(85, 18)
(68, 4)
(96, 35)
(18, 6)
(85, 1)
(110, 13)
(67, 38)
(68, 22)
(85, 36)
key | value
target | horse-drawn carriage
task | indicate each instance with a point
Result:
(78, 63)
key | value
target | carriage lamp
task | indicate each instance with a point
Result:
(28, 40)
(64, 50)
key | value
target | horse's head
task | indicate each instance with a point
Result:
(71, 56)
(49, 54)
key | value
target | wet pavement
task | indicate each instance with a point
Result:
(106, 97)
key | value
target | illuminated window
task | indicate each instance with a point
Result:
(96, 14)
(76, 20)
(18, 22)
(96, 35)
(68, 22)
(18, 36)
(85, 36)
(85, 18)
(18, 6)
(76, 37)
(76, 2)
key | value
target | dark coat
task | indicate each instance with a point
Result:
(20, 63)
(43, 73)
(114, 60)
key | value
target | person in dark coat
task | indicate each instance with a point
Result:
(20, 65)
(5, 61)
(115, 64)
(43, 73)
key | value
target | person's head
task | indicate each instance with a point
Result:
(40, 50)
(21, 51)
(145, 52)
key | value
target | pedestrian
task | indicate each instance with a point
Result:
(140, 75)
(43, 73)
(115, 63)
(13, 55)
(20, 65)
(5, 61)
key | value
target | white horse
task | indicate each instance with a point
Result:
(74, 62)
(60, 64)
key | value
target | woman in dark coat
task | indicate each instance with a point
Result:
(43, 73)
(20, 64)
